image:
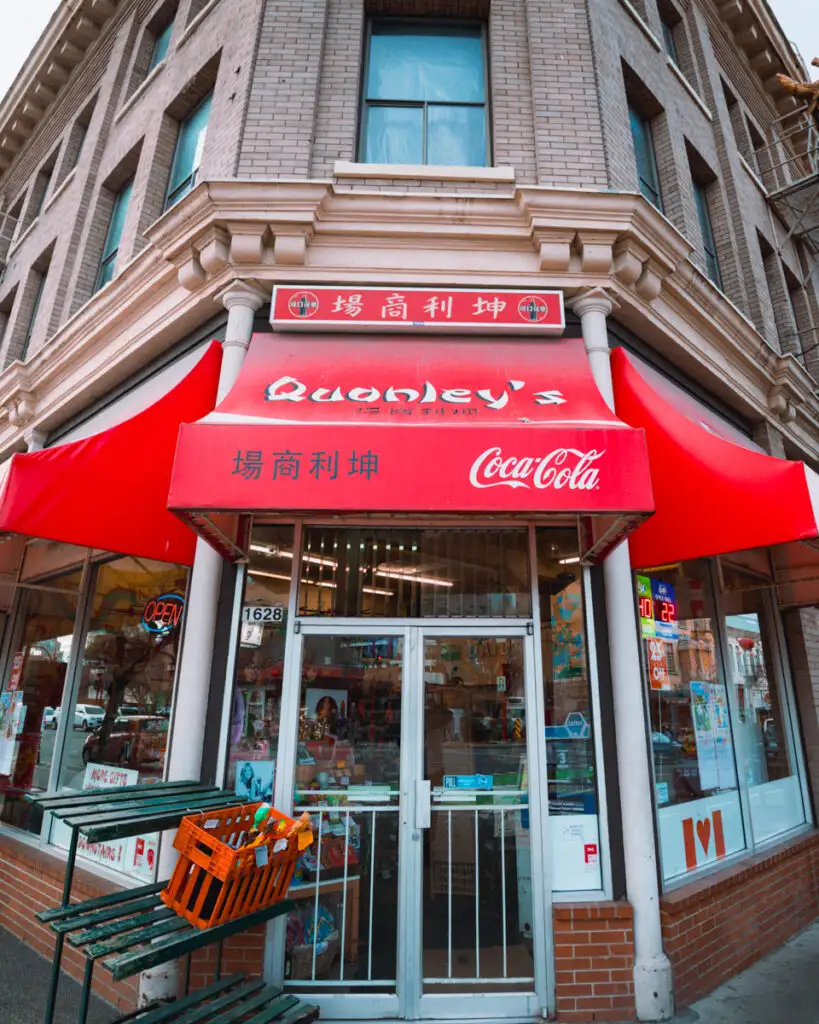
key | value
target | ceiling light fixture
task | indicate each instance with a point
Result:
(413, 577)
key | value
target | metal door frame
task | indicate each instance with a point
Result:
(409, 1002)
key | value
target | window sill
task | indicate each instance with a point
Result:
(426, 172)
(197, 21)
(637, 18)
(692, 92)
(139, 91)
(60, 189)
(753, 175)
(15, 245)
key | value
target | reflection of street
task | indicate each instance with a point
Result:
(73, 768)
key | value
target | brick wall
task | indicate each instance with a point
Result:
(32, 880)
(716, 927)
(594, 961)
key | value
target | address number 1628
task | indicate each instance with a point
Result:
(263, 613)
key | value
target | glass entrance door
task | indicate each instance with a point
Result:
(424, 894)
(477, 906)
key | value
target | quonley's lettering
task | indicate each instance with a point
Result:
(562, 467)
(290, 389)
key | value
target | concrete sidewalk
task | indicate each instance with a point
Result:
(781, 989)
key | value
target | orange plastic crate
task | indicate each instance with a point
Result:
(213, 883)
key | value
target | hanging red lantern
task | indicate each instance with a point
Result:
(746, 643)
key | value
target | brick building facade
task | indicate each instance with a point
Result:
(635, 157)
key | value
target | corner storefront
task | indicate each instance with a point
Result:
(412, 627)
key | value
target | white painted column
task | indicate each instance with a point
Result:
(191, 699)
(241, 300)
(652, 969)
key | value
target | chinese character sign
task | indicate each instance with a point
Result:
(448, 310)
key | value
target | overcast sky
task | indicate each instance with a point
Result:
(22, 21)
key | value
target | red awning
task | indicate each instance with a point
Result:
(393, 424)
(712, 496)
(110, 491)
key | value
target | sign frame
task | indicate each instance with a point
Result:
(552, 325)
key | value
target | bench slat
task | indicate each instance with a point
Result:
(80, 919)
(140, 936)
(169, 1011)
(123, 896)
(111, 793)
(247, 1005)
(105, 931)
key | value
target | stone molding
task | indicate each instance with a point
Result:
(263, 232)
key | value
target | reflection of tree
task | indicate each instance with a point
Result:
(124, 661)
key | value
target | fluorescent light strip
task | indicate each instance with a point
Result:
(569, 561)
(274, 552)
(411, 577)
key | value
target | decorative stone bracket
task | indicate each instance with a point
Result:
(240, 244)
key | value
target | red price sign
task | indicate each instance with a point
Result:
(657, 668)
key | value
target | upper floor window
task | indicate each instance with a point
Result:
(425, 94)
(188, 154)
(668, 38)
(644, 154)
(113, 236)
(707, 232)
(38, 282)
(160, 49)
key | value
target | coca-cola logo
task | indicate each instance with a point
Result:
(559, 468)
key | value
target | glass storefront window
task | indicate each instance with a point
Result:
(410, 573)
(257, 693)
(118, 733)
(32, 694)
(692, 740)
(774, 793)
(573, 809)
(346, 885)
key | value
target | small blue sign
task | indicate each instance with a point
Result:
(665, 610)
(483, 782)
(575, 727)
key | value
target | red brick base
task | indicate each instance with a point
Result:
(594, 961)
(31, 880)
(718, 926)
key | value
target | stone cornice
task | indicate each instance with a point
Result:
(72, 30)
(291, 231)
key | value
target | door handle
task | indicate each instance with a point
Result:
(422, 803)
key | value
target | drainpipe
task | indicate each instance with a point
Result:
(652, 970)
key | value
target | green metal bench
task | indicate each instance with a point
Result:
(133, 914)
(131, 931)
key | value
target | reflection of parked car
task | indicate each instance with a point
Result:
(666, 748)
(51, 717)
(88, 716)
(134, 741)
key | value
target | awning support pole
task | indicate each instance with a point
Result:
(652, 969)
(241, 299)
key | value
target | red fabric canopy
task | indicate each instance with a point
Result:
(110, 490)
(712, 496)
(398, 424)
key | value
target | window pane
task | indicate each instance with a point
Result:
(457, 136)
(189, 147)
(412, 572)
(569, 719)
(112, 239)
(395, 135)
(410, 61)
(707, 232)
(118, 732)
(644, 154)
(33, 692)
(774, 792)
(160, 46)
(692, 740)
(668, 39)
(257, 692)
(348, 754)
